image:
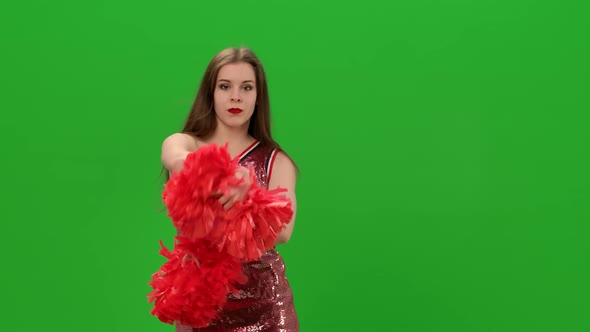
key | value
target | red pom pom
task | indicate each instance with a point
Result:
(247, 229)
(193, 284)
(187, 195)
(251, 227)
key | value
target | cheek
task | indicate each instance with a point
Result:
(217, 99)
(217, 106)
(253, 99)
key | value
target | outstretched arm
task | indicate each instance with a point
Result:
(175, 148)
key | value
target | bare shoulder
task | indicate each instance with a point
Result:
(284, 162)
(283, 171)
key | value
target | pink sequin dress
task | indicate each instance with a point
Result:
(265, 302)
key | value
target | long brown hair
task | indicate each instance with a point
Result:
(201, 121)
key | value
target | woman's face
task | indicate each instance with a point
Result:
(234, 97)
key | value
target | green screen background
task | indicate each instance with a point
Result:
(443, 147)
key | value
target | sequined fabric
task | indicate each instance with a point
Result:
(265, 302)
(258, 158)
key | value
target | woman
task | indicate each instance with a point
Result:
(232, 106)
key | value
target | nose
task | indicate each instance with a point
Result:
(235, 96)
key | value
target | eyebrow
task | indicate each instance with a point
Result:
(246, 81)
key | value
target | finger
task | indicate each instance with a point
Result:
(229, 203)
(242, 171)
(224, 199)
(242, 192)
(216, 194)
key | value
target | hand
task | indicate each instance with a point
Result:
(236, 193)
(188, 257)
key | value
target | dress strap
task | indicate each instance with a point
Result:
(270, 163)
(249, 149)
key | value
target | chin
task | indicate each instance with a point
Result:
(237, 125)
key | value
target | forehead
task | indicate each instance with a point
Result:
(238, 72)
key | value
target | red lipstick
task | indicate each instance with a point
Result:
(235, 110)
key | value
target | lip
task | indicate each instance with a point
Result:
(235, 110)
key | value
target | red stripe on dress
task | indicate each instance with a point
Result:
(271, 161)
(248, 149)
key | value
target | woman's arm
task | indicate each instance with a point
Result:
(283, 175)
(175, 148)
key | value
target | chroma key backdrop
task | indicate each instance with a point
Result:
(443, 149)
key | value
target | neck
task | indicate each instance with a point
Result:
(233, 136)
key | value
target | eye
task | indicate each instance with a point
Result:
(247, 87)
(223, 86)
